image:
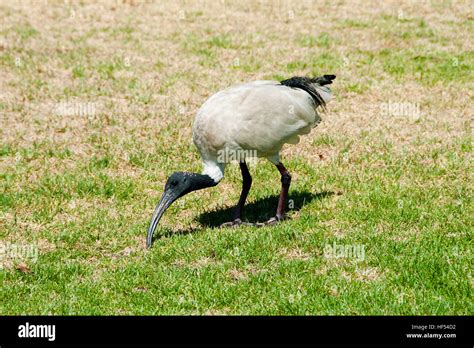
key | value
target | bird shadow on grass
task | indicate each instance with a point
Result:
(262, 209)
(258, 211)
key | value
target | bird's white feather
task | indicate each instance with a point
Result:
(324, 92)
(259, 116)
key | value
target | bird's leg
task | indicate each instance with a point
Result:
(246, 184)
(285, 185)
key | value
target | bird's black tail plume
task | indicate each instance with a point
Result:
(323, 80)
(307, 84)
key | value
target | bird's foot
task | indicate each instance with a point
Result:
(272, 221)
(236, 223)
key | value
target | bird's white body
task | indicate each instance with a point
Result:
(255, 118)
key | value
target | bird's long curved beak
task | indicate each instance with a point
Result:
(166, 200)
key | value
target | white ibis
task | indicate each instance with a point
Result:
(248, 120)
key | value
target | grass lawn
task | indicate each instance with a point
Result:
(96, 107)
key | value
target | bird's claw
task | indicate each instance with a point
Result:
(236, 223)
(270, 222)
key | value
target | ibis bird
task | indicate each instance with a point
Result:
(252, 119)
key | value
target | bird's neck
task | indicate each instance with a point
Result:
(200, 181)
(214, 169)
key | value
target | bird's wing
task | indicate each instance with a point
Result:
(315, 87)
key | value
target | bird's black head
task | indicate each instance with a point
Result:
(177, 185)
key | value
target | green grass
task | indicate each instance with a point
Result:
(82, 189)
(96, 269)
